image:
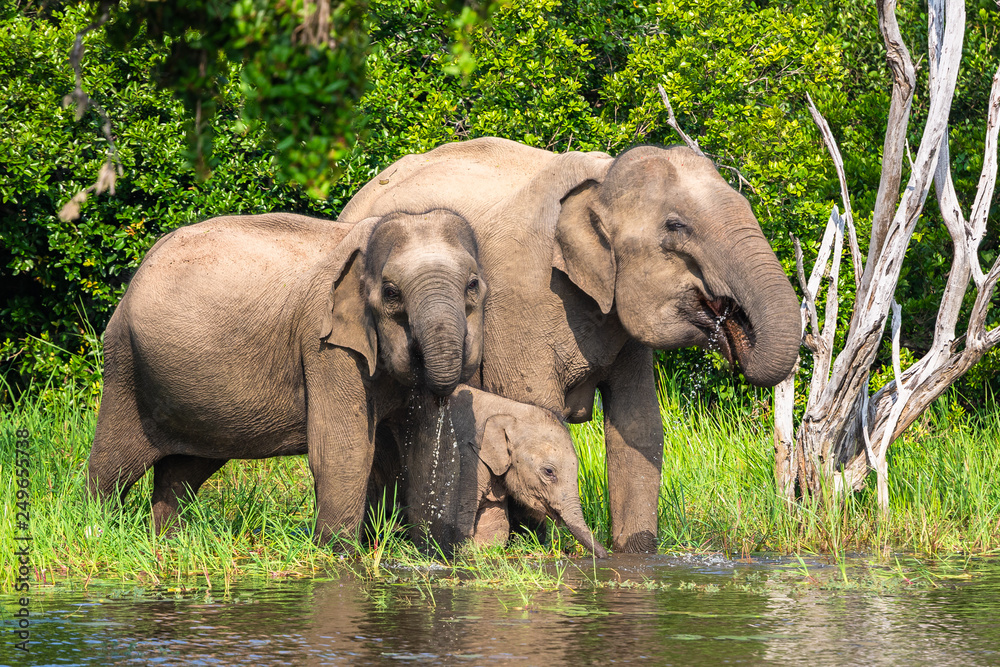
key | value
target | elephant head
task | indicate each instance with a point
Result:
(464, 455)
(534, 457)
(677, 253)
(408, 296)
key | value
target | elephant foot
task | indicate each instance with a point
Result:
(166, 519)
(176, 479)
(637, 543)
(492, 524)
(348, 542)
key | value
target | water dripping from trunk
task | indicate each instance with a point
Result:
(445, 445)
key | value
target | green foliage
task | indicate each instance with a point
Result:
(559, 74)
(54, 271)
(298, 87)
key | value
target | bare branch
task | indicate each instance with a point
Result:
(866, 431)
(845, 197)
(830, 312)
(672, 122)
(894, 147)
(987, 178)
(951, 213)
(823, 255)
(739, 175)
(105, 182)
(823, 339)
(785, 465)
(808, 307)
(832, 431)
(897, 316)
(315, 26)
(873, 305)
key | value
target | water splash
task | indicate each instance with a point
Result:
(436, 458)
(721, 316)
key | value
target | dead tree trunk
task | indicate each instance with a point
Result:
(845, 432)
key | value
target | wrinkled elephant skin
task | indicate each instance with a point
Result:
(271, 335)
(592, 263)
(467, 453)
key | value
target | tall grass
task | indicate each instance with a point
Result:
(255, 517)
(718, 490)
(252, 516)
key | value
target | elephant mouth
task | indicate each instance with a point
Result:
(416, 362)
(725, 325)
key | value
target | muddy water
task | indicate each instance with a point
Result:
(686, 611)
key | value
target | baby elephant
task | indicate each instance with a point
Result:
(258, 336)
(464, 454)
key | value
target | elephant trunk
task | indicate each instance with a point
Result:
(572, 516)
(766, 342)
(439, 330)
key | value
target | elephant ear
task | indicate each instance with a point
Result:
(494, 446)
(582, 248)
(347, 321)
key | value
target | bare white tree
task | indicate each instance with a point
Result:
(845, 432)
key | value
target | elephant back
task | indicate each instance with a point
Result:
(468, 177)
(506, 190)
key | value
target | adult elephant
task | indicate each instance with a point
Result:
(278, 334)
(593, 262)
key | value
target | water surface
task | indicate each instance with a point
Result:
(683, 611)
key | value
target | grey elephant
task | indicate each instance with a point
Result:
(465, 454)
(271, 335)
(594, 262)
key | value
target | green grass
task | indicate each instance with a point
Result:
(254, 518)
(718, 490)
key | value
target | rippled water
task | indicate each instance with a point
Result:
(702, 618)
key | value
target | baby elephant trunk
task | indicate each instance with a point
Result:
(572, 516)
(438, 325)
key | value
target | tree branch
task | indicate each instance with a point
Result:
(808, 307)
(831, 430)
(672, 122)
(845, 197)
(987, 179)
(894, 148)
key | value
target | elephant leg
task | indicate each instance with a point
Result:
(633, 436)
(386, 483)
(175, 478)
(122, 451)
(386, 480)
(340, 486)
(117, 463)
(492, 523)
(341, 435)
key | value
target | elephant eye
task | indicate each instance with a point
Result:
(674, 225)
(549, 472)
(473, 284)
(390, 292)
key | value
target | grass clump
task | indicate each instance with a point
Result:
(255, 518)
(718, 491)
(252, 518)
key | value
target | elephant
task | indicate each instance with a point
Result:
(593, 263)
(279, 334)
(466, 453)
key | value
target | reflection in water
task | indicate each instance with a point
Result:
(698, 620)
